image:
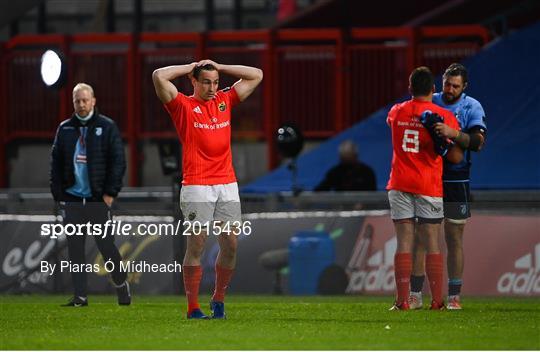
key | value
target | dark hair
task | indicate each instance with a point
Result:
(197, 70)
(455, 70)
(421, 81)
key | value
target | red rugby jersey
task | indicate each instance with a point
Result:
(416, 168)
(204, 129)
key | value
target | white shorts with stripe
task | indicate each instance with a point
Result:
(405, 205)
(202, 203)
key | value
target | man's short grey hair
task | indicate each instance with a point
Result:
(348, 147)
(83, 86)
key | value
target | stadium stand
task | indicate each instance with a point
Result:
(509, 160)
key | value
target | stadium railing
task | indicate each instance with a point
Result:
(160, 201)
(324, 80)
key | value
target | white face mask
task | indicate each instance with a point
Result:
(85, 119)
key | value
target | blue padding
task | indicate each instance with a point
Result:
(504, 77)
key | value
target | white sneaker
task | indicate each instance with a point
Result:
(415, 300)
(454, 303)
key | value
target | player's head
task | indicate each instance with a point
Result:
(421, 82)
(83, 99)
(348, 152)
(455, 80)
(205, 80)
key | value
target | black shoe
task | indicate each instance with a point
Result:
(76, 301)
(124, 295)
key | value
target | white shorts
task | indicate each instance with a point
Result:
(204, 204)
(405, 205)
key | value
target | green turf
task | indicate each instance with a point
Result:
(267, 322)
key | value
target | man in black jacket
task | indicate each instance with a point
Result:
(87, 166)
(350, 174)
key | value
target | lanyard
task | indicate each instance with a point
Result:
(82, 137)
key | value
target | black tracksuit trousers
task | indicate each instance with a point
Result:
(81, 211)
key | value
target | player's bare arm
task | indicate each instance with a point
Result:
(472, 141)
(455, 154)
(444, 130)
(250, 77)
(162, 77)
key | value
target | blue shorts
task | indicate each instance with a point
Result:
(457, 199)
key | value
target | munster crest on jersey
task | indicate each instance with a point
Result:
(222, 107)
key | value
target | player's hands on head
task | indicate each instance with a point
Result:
(209, 62)
(193, 65)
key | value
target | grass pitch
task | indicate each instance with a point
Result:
(266, 322)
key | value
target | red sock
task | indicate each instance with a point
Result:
(223, 277)
(192, 279)
(434, 271)
(403, 269)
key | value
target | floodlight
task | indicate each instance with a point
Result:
(52, 69)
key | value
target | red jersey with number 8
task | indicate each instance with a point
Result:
(416, 167)
(204, 129)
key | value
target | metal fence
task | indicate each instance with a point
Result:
(323, 80)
